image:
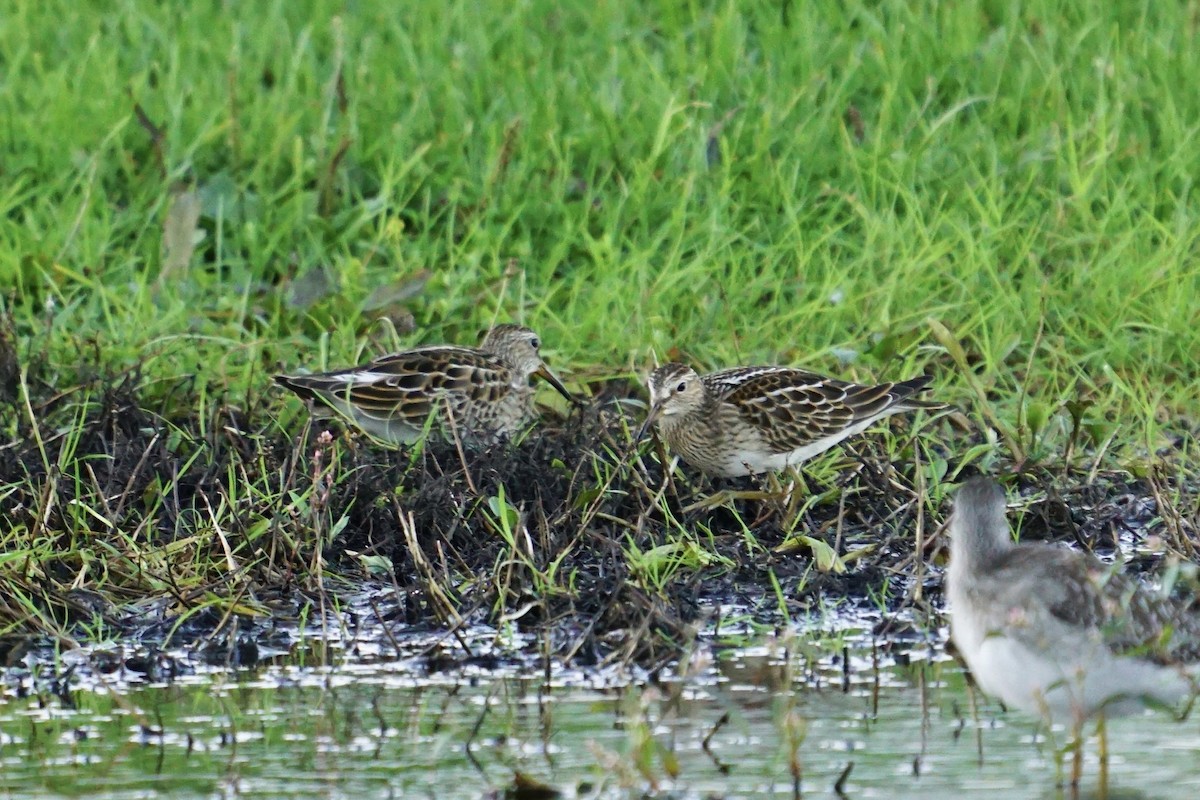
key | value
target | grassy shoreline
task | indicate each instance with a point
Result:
(125, 522)
(199, 197)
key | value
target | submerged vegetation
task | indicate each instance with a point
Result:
(198, 196)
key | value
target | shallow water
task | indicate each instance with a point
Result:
(321, 723)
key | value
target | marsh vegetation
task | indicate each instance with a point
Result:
(195, 197)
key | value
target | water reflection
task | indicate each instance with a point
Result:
(753, 722)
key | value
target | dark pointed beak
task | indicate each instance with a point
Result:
(549, 377)
(651, 417)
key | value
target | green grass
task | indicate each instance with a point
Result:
(1002, 171)
(1003, 196)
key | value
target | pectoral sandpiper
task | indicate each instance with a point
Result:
(1058, 633)
(749, 420)
(480, 393)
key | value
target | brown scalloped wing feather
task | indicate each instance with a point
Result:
(792, 408)
(416, 380)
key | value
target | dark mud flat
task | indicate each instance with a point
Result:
(131, 520)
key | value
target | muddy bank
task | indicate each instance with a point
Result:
(128, 518)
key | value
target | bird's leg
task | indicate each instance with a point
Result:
(795, 495)
(975, 716)
(1102, 738)
(770, 495)
(1076, 753)
(1181, 715)
(1073, 744)
(780, 493)
(1059, 753)
(788, 498)
(725, 496)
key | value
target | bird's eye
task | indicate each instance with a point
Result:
(534, 343)
(681, 387)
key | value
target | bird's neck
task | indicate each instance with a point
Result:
(690, 421)
(669, 423)
(975, 550)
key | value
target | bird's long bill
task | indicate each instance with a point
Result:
(651, 417)
(549, 377)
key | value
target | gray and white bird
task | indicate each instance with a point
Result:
(1058, 633)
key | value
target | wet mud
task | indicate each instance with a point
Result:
(225, 534)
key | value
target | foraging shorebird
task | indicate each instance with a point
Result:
(749, 420)
(481, 394)
(1058, 633)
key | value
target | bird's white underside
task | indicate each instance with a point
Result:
(774, 462)
(1068, 682)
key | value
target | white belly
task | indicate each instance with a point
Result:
(750, 463)
(1073, 682)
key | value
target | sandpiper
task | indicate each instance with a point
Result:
(1058, 633)
(479, 394)
(749, 420)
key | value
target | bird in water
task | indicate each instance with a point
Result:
(1058, 633)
